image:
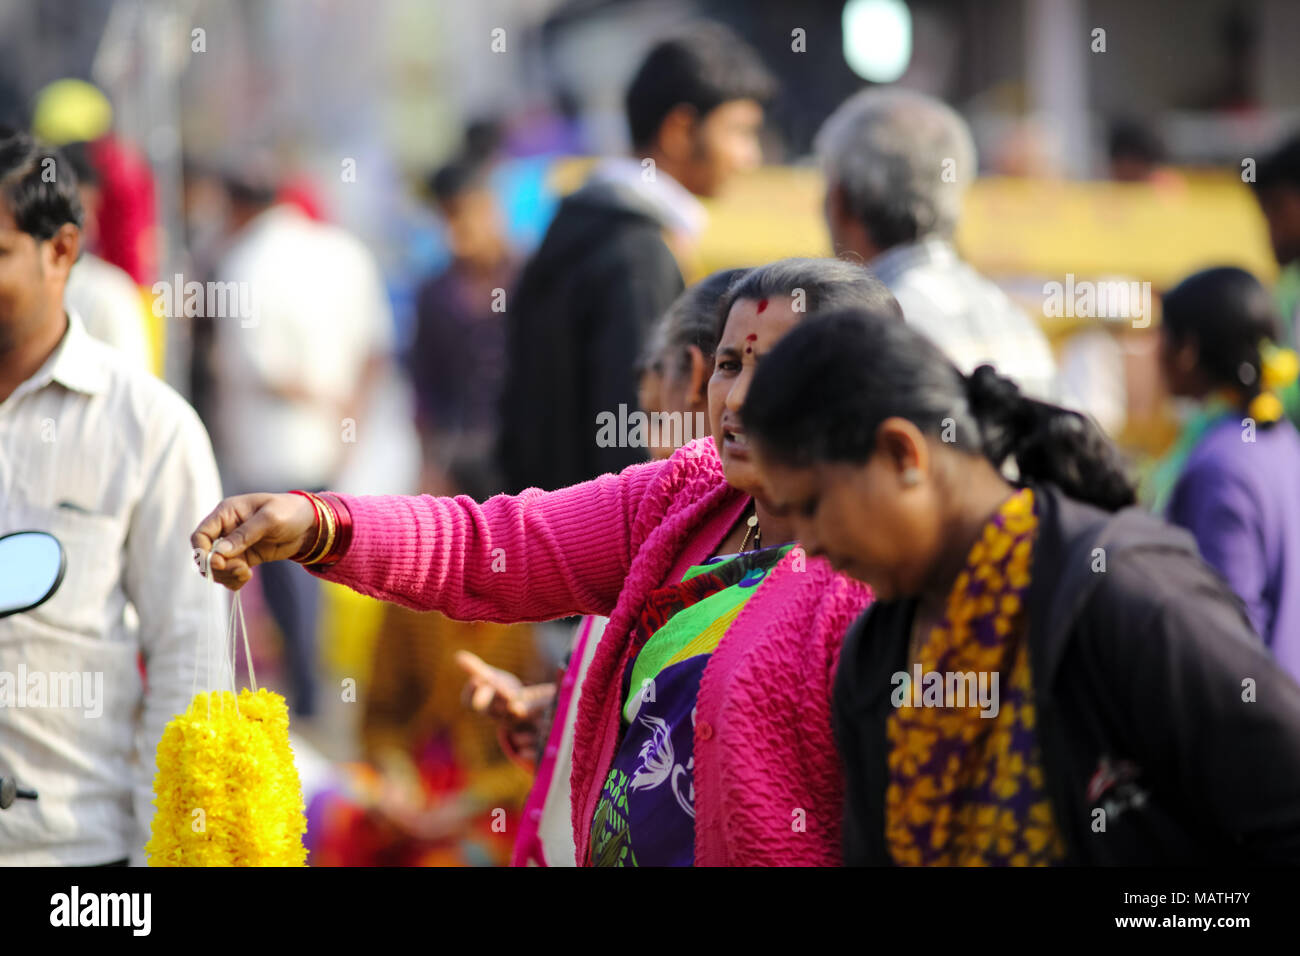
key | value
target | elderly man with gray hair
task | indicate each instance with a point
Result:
(897, 164)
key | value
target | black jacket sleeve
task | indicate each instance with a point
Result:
(1211, 716)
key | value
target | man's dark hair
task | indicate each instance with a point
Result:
(1280, 168)
(38, 185)
(461, 175)
(702, 69)
(483, 138)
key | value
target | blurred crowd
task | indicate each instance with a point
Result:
(305, 373)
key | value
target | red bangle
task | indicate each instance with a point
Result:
(302, 553)
(342, 529)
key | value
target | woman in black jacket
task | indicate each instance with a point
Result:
(1048, 676)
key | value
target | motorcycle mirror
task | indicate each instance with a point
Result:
(32, 564)
(10, 791)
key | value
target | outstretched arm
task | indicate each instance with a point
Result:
(530, 557)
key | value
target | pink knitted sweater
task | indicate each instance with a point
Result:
(768, 786)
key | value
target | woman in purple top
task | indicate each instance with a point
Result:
(1234, 475)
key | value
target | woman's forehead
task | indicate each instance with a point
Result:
(750, 319)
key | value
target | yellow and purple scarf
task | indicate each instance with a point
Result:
(966, 789)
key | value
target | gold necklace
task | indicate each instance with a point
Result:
(753, 527)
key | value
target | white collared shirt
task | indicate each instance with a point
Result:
(118, 466)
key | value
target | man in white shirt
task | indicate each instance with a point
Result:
(897, 166)
(300, 347)
(116, 465)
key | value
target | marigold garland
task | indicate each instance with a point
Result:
(236, 767)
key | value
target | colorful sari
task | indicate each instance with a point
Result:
(646, 813)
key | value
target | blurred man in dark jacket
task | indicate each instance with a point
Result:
(608, 265)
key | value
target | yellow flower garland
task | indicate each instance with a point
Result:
(227, 791)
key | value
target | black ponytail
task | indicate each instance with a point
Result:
(1047, 443)
(824, 389)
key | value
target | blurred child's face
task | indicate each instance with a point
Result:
(753, 328)
(473, 226)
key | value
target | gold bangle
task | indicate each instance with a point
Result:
(331, 524)
(323, 547)
(303, 554)
(321, 531)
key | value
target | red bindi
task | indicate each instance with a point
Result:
(749, 349)
(762, 304)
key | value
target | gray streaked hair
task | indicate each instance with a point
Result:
(902, 161)
(822, 285)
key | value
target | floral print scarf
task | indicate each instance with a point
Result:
(965, 777)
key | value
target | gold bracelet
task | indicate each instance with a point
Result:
(319, 528)
(332, 522)
(321, 532)
(318, 553)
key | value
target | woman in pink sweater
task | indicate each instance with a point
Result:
(703, 733)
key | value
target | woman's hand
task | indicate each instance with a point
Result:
(247, 530)
(517, 707)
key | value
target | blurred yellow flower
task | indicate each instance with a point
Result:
(1265, 407)
(1280, 367)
